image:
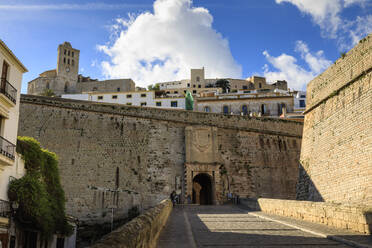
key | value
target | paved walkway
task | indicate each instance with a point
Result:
(230, 226)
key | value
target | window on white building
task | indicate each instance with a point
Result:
(143, 103)
(114, 97)
(143, 95)
(207, 109)
(174, 104)
(302, 104)
(158, 104)
(225, 110)
(99, 97)
(129, 96)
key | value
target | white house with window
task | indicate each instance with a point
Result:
(134, 98)
(11, 165)
(299, 101)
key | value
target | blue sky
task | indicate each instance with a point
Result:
(152, 41)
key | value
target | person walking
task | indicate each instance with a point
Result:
(173, 197)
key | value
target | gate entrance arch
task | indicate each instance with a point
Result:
(202, 191)
(202, 166)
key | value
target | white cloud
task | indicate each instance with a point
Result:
(287, 67)
(358, 28)
(166, 44)
(327, 14)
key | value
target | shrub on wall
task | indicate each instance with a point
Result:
(39, 193)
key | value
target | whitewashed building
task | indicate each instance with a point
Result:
(300, 101)
(11, 165)
(134, 98)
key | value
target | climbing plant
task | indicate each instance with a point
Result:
(39, 193)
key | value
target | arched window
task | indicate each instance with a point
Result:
(263, 109)
(225, 110)
(64, 60)
(245, 109)
(260, 85)
(68, 61)
(66, 87)
(207, 109)
(47, 85)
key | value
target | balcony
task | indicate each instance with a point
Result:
(7, 151)
(8, 91)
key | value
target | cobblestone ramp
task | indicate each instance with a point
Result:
(229, 226)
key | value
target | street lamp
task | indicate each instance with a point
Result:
(14, 205)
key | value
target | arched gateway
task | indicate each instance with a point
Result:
(202, 169)
(202, 191)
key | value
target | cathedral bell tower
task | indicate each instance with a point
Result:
(67, 67)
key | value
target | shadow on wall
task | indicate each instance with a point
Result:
(305, 188)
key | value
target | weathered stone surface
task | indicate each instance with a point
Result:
(353, 217)
(104, 147)
(229, 226)
(336, 155)
(141, 232)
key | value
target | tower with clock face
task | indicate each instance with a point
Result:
(67, 67)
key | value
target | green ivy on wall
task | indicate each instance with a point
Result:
(39, 193)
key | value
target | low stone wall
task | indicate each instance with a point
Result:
(353, 217)
(142, 231)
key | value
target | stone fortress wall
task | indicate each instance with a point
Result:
(336, 154)
(106, 149)
(113, 85)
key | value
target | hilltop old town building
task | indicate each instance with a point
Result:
(66, 80)
(252, 96)
(11, 164)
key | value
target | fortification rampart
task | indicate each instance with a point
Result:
(243, 123)
(345, 71)
(353, 217)
(336, 153)
(142, 231)
(106, 151)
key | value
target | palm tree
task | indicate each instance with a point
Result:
(224, 84)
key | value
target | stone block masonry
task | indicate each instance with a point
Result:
(353, 217)
(142, 231)
(336, 153)
(106, 149)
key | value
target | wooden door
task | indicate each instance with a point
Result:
(4, 240)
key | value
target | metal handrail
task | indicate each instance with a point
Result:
(7, 148)
(4, 209)
(8, 90)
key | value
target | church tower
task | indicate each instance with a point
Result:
(67, 67)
